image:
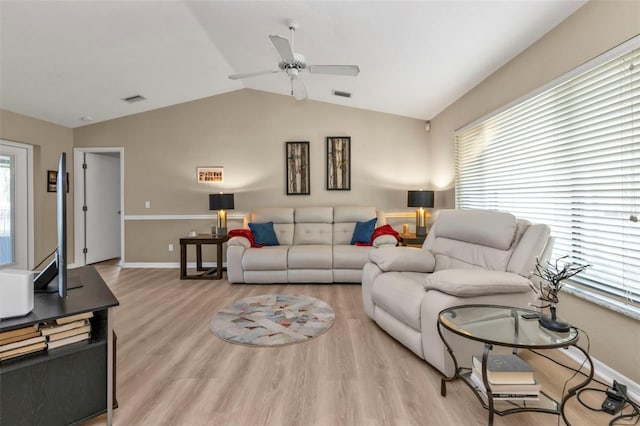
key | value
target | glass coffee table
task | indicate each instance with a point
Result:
(506, 326)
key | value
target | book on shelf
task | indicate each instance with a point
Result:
(21, 343)
(68, 340)
(19, 338)
(517, 388)
(5, 335)
(72, 318)
(22, 350)
(506, 369)
(52, 328)
(69, 333)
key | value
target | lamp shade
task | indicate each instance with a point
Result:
(420, 198)
(221, 201)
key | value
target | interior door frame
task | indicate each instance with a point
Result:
(78, 197)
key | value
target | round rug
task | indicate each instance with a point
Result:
(272, 320)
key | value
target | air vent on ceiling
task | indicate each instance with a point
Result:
(134, 98)
(342, 94)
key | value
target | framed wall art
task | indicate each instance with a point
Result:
(52, 181)
(297, 164)
(338, 163)
(210, 174)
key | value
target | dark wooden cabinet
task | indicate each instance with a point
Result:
(69, 384)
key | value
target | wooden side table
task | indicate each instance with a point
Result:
(198, 241)
(412, 239)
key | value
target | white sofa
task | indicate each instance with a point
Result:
(469, 256)
(314, 247)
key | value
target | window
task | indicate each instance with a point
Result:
(569, 156)
(16, 241)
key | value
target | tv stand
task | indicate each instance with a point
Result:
(70, 384)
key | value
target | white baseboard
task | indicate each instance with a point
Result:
(175, 265)
(606, 373)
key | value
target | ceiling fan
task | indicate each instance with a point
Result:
(293, 64)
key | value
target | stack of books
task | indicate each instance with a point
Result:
(21, 341)
(67, 330)
(509, 377)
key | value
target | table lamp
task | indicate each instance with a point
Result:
(420, 199)
(221, 202)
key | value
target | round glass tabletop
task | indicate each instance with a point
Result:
(503, 325)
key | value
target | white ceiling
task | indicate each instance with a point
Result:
(63, 60)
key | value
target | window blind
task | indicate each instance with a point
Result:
(569, 157)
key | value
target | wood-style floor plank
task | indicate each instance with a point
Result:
(172, 371)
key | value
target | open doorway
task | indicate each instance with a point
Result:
(99, 202)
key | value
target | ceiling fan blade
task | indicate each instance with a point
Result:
(334, 69)
(298, 90)
(251, 74)
(283, 47)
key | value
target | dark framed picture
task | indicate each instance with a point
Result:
(52, 180)
(297, 163)
(338, 163)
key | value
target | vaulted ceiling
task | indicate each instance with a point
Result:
(61, 61)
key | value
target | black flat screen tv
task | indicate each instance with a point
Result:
(58, 266)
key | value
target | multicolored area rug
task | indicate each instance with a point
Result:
(272, 320)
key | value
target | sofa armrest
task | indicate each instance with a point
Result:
(475, 282)
(239, 241)
(385, 241)
(403, 259)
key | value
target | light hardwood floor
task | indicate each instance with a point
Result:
(172, 371)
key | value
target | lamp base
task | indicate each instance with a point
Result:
(421, 230)
(219, 231)
(546, 321)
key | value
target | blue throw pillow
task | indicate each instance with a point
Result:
(363, 231)
(263, 233)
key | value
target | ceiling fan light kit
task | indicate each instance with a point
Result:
(293, 63)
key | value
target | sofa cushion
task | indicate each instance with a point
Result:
(312, 233)
(313, 215)
(400, 294)
(310, 257)
(475, 282)
(350, 257)
(273, 214)
(483, 227)
(453, 254)
(344, 221)
(268, 258)
(400, 259)
(363, 231)
(263, 233)
(353, 214)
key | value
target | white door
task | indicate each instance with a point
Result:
(15, 209)
(102, 201)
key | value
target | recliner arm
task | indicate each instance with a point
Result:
(403, 259)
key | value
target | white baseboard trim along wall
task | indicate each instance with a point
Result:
(606, 373)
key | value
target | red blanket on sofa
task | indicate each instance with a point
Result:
(381, 230)
(245, 233)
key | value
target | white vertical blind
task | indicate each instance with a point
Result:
(569, 157)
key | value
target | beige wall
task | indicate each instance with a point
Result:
(593, 29)
(245, 132)
(48, 140)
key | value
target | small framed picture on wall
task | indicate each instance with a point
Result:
(210, 174)
(52, 181)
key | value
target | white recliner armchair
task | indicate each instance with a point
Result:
(469, 256)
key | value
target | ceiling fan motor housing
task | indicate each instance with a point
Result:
(298, 63)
